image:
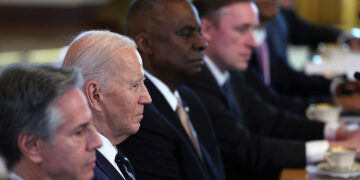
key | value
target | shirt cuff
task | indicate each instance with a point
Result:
(330, 130)
(315, 150)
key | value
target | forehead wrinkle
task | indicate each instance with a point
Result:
(126, 64)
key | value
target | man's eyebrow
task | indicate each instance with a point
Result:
(82, 126)
(139, 80)
(190, 27)
(243, 25)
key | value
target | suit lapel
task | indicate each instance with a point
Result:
(203, 134)
(160, 103)
(206, 81)
(103, 164)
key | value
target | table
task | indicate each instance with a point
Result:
(293, 174)
(334, 62)
(301, 173)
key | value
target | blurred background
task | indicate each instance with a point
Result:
(35, 31)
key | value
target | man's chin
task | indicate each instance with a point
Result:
(240, 67)
(89, 176)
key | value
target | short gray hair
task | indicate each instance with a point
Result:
(27, 100)
(90, 52)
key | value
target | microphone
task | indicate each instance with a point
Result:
(357, 75)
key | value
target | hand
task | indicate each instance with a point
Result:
(352, 141)
(349, 102)
(347, 88)
(354, 44)
(343, 133)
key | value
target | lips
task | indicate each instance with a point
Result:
(246, 55)
(91, 164)
(139, 116)
(197, 62)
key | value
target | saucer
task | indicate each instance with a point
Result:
(326, 167)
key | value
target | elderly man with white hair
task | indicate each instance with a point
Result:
(115, 90)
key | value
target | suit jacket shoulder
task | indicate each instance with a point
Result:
(245, 154)
(284, 78)
(254, 78)
(104, 170)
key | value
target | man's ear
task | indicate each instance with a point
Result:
(93, 94)
(144, 43)
(30, 147)
(207, 28)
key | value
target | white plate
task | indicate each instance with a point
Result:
(324, 168)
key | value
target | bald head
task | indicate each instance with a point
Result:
(91, 51)
(167, 33)
(139, 13)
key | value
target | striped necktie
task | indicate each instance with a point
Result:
(124, 166)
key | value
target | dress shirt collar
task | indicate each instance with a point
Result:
(14, 176)
(220, 77)
(171, 97)
(260, 35)
(109, 151)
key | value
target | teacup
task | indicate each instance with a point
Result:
(340, 158)
(324, 112)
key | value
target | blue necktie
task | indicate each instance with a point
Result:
(124, 166)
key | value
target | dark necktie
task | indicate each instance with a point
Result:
(232, 101)
(124, 166)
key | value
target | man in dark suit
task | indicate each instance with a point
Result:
(116, 94)
(283, 27)
(228, 27)
(296, 104)
(303, 89)
(176, 138)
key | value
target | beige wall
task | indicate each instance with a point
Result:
(341, 13)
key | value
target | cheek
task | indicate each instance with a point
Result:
(229, 43)
(125, 107)
(62, 159)
(72, 151)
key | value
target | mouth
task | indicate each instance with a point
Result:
(91, 165)
(139, 116)
(246, 56)
(197, 62)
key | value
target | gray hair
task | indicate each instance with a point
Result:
(27, 101)
(90, 52)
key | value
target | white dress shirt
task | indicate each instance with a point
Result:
(14, 176)
(315, 150)
(109, 151)
(171, 97)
